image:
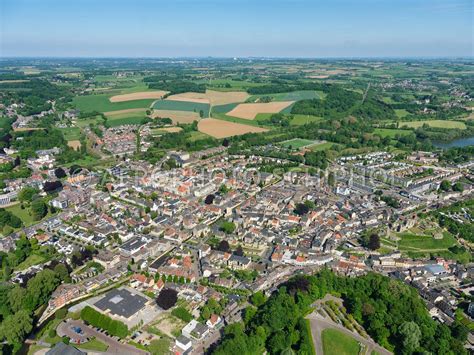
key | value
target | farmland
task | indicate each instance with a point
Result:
(434, 123)
(250, 111)
(213, 97)
(171, 105)
(289, 96)
(177, 116)
(101, 103)
(222, 129)
(138, 96)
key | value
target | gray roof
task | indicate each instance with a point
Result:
(63, 349)
(121, 302)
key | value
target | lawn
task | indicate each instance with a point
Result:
(71, 133)
(182, 106)
(94, 345)
(23, 214)
(337, 343)
(413, 242)
(434, 123)
(299, 120)
(101, 103)
(33, 259)
(296, 143)
(392, 133)
(401, 113)
(195, 136)
(87, 121)
(322, 146)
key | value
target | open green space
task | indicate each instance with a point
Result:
(401, 113)
(322, 146)
(71, 133)
(23, 214)
(182, 106)
(289, 96)
(434, 123)
(85, 122)
(296, 143)
(338, 343)
(299, 120)
(101, 103)
(94, 345)
(391, 132)
(409, 241)
(130, 119)
(33, 259)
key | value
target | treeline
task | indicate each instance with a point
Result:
(340, 103)
(463, 230)
(280, 87)
(99, 320)
(458, 155)
(391, 312)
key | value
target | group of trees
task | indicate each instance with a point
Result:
(17, 305)
(457, 228)
(167, 298)
(391, 312)
(99, 320)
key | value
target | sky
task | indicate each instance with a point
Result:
(236, 28)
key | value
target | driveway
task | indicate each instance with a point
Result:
(115, 347)
(319, 323)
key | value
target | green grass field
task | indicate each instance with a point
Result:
(23, 214)
(71, 133)
(392, 133)
(223, 108)
(290, 96)
(401, 113)
(434, 123)
(322, 146)
(94, 345)
(33, 259)
(412, 242)
(299, 120)
(337, 343)
(136, 120)
(87, 121)
(101, 103)
(182, 106)
(296, 143)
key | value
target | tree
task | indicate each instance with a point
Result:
(16, 296)
(15, 327)
(374, 242)
(227, 227)
(239, 251)
(167, 298)
(445, 185)
(182, 313)
(50, 186)
(39, 209)
(27, 193)
(301, 209)
(258, 299)
(62, 271)
(60, 173)
(223, 246)
(410, 335)
(458, 187)
(331, 179)
(209, 199)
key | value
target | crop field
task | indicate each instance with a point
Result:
(213, 97)
(164, 130)
(392, 133)
(250, 111)
(138, 96)
(177, 116)
(290, 96)
(434, 123)
(297, 143)
(101, 103)
(122, 113)
(338, 343)
(189, 106)
(119, 121)
(222, 129)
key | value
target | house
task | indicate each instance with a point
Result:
(183, 344)
(195, 330)
(237, 262)
(214, 321)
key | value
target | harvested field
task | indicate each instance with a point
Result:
(250, 111)
(157, 131)
(138, 96)
(75, 144)
(126, 111)
(223, 129)
(213, 97)
(177, 116)
(26, 129)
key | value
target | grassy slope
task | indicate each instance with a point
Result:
(337, 343)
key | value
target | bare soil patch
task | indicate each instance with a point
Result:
(250, 111)
(138, 96)
(177, 116)
(74, 144)
(223, 129)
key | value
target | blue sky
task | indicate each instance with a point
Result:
(228, 28)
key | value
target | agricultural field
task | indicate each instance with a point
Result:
(189, 106)
(338, 343)
(164, 130)
(101, 103)
(250, 111)
(434, 123)
(215, 98)
(138, 96)
(297, 143)
(223, 129)
(177, 116)
(289, 96)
